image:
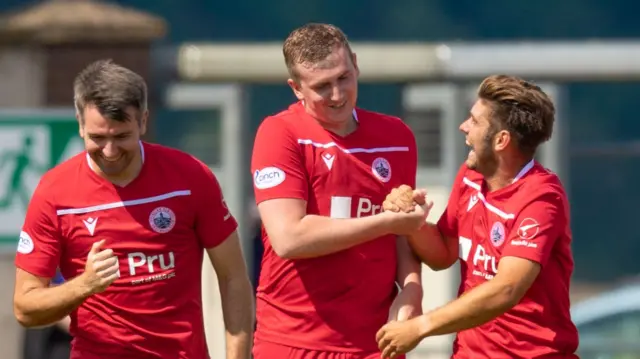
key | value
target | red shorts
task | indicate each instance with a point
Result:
(265, 350)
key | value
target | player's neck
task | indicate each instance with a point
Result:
(129, 174)
(341, 129)
(506, 172)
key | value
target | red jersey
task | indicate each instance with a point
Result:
(339, 301)
(527, 219)
(157, 226)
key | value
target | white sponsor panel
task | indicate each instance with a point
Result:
(341, 207)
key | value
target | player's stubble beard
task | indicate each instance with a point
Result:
(486, 160)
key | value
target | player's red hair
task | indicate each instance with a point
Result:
(311, 44)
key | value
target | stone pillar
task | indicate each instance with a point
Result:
(43, 47)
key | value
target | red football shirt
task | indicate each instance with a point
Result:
(527, 219)
(339, 301)
(157, 226)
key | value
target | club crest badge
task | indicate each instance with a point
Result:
(162, 219)
(497, 234)
(381, 169)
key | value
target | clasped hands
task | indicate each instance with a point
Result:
(409, 209)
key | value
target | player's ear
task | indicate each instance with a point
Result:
(502, 140)
(295, 87)
(80, 125)
(143, 122)
(354, 60)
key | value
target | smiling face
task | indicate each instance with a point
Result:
(329, 88)
(113, 146)
(480, 136)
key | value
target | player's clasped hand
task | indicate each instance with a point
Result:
(397, 338)
(404, 199)
(408, 207)
(102, 268)
(400, 199)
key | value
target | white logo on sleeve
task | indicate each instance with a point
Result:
(528, 228)
(90, 223)
(25, 244)
(228, 214)
(268, 177)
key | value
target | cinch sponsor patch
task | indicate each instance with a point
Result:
(25, 244)
(268, 177)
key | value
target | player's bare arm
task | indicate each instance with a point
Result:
(408, 303)
(35, 303)
(236, 295)
(485, 302)
(295, 234)
(435, 250)
(476, 307)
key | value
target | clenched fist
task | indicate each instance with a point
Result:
(102, 268)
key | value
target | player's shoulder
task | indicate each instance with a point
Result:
(384, 121)
(175, 156)
(166, 153)
(179, 161)
(62, 175)
(288, 128)
(285, 119)
(541, 184)
(542, 179)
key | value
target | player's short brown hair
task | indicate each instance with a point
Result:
(311, 44)
(111, 88)
(521, 108)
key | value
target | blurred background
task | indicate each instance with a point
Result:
(215, 70)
